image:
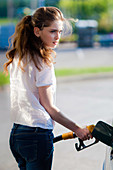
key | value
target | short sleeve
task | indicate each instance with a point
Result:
(46, 76)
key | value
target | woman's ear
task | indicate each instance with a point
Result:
(36, 31)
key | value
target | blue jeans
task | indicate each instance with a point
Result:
(32, 147)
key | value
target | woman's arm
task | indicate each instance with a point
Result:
(46, 100)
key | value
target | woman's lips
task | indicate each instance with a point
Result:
(55, 43)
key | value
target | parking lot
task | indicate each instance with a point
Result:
(85, 99)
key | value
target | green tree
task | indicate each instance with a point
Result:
(99, 10)
(84, 9)
(3, 8)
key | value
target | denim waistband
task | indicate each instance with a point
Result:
(38, 129)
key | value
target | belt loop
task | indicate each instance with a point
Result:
(36, 130)
(15, 126)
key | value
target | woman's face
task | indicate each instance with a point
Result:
(51, 35)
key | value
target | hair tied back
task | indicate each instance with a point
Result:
(28, 19)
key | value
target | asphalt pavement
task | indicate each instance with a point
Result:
(85, 100)
(68, 55)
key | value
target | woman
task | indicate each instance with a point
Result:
(32, 84)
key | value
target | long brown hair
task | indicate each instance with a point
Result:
(25, 42)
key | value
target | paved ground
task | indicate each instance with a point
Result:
(85, 102)
(83, 99)
(70, 56)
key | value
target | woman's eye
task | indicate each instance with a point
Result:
(52, 31)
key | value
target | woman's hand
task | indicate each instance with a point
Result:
(83, 134)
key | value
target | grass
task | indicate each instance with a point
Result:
(3, 79)
(79, 71)
(4, 21)
(65, 72)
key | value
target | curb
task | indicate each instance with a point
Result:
(85, 77)
(74, 78)
(5, 87)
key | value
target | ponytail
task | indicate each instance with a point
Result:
(19, 41)
(26, 44)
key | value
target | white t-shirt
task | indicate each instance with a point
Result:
(25, 106)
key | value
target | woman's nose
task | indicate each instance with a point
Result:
(57, 36)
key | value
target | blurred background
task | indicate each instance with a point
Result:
(95, 25)
(84, 71)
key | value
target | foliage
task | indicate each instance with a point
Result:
(105, 23)
(3, 7)
(71, 38)
(4, 21)
(84, 9)
(16, 4)
(100, 10)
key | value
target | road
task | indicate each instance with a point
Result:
(85, 100)
(70, 56)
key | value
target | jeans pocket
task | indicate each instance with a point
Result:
(28, 152)
(50, 147)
